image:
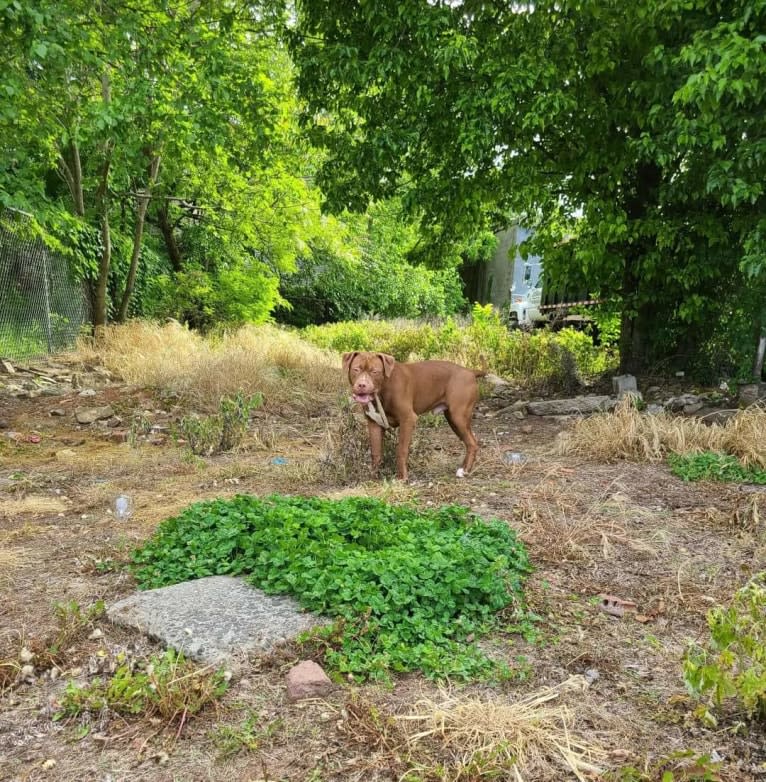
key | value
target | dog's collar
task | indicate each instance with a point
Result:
(377, 413)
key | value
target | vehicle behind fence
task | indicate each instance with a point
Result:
(43, 308)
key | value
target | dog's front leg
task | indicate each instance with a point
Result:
(375, 433)
(406, 428)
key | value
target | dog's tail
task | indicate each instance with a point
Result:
(484, 371)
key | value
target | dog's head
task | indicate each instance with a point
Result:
(367, 373)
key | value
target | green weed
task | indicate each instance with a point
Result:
(684, 766)
(224, 431)
(712, 466)
(247, 736)
(732, 663)
(407, 587)
(168, 686)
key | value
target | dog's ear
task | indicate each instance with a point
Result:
(388, 363)
(347, 359)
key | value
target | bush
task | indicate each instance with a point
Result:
(169, 686)
(408, 586)
(537, 359)
(732, 664)
(207, 435)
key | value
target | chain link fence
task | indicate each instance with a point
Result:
(42, 308)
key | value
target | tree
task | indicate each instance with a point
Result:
(113, 96)
(563, 111)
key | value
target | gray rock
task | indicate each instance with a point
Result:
(57, 411)
(653, 391)
(654, 409)
(520, 414)
(678, 403)
(87, 392)
(214, 619)
(751, 393)
(623, 383)
(693, 408)
(579, 404)
(91, 414)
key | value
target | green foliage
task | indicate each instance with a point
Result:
(540, 358)
(684, 766)
(71, 621)
(732, 663)
(249, 735)
(223, 431)
(627, 133)
(713, 466)
(407, 586)
(169, 685)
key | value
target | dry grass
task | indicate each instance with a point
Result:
(558, 527)
(524, 736)
(31, 505)
(284, 368)
(629, 434)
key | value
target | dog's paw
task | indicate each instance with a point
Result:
(460, 472)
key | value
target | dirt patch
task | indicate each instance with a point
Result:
(624, 529)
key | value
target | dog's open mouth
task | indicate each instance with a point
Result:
(362, 399)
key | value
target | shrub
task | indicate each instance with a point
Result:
(169, 686)
(732, 664)
(407, 586)
(539, 359)
(222, 432)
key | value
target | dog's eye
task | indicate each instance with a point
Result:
(374, 371)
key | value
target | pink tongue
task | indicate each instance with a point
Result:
(363, 399)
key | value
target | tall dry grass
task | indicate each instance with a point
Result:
(629, 434)
(283, 367)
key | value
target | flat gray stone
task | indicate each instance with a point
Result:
(580, 404)
(91, 414)
(214, 620)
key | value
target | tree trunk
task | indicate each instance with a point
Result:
(760, 350)
(632, 337)
(71, 170)
(143, 203)
(168, 234)
(100, 309)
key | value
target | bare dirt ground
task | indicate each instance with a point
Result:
(630, 530)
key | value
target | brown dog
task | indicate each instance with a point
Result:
(396, 394)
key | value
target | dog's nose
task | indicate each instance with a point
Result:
(362, 386)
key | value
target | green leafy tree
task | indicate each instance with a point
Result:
(570, 113)
(118, 100)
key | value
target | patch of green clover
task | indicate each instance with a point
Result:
(712, 466)
(410, 589)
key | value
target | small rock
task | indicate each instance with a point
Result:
(592, 675)
(49, 764)
(87, 392)
(95, 635)
(520, 414)
(27, 672)
(57, 411)
(7, 367)
(307, 680)
(654, 409)
(4, 424)
(54, 673)
(693, 408)
(75, 672)
(678, 403)
(91, 414)
(25, 655)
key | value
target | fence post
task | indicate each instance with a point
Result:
(46, 279)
